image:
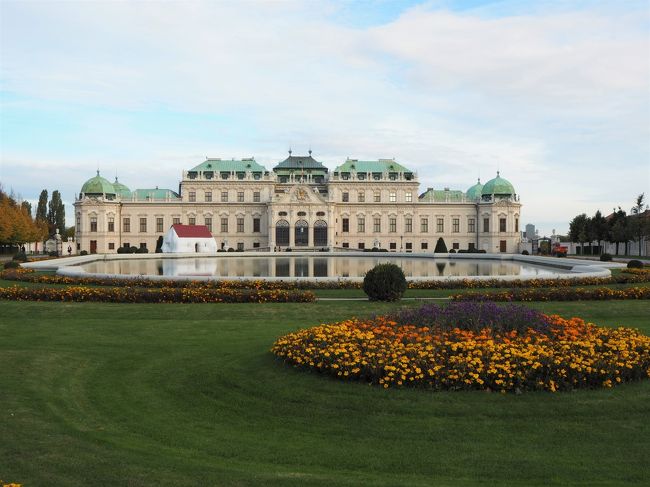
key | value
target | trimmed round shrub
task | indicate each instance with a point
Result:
(635, 264)
(85, 252)
(54, 253)
(132, 250)
(605, 257)
(452, 251)
(525, 252)
(12, 264)
(20, 256)
(142, 250)
(384, 282)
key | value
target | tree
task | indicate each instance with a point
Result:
(578, 231)
(637, 224)
(56, 213)
(16, 223)
(441, 247)
(599, 229)
(27, 206)
(41, 209)
(618, 229)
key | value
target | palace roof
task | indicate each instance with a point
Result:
(232, 165)
(299, 163)
(381, 165)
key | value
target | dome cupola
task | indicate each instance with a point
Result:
(498, 187)
(474, 193)
(98, 186)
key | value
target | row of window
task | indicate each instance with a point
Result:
(224, 175)
(424, 225)
(392, 197)
(407, 246)
(207, 196)
(160, 228)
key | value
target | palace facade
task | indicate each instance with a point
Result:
(300, 204)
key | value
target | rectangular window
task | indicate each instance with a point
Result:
(224, 225)
(345, 245)
(159, 225)
(392, 225)
(208, 223)
(240, 246)
(126, 225)
(392, 246)
(208, 196)
(377, 197)
(455, 245)
(111, 246)
(392, 197)
(240, 225)
(409, 246)
(256, 245)
(256, 225)
(486, 225)
(376, 225)
(143, 225)
(455, 225)
(143, 245)
(93, 223)
(345, 197)
(192, 196)
(361, 196)
(345, 225)
(516, 224)
(361, 224)
(440, 225)
(408, 197)
(224, 196)
(424, 225)
(256, 196)
(240, 196)
(111, 224)
(126, 245)
(502, 224)
(361, 245)
(471, 225)
(191, 220)
(78, 222)
(424, 245)
(176, 221)
(408, 225)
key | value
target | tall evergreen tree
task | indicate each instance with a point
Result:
(637, 223)
(599, 229)
(41, 209)
(56, 213)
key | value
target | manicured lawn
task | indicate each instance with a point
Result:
(188, 395)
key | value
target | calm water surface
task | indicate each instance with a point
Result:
(316, 266)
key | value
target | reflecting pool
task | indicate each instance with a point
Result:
(315, 267)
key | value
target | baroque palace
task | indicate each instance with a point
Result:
(301, 205)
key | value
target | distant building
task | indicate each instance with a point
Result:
(530, 233)
(301, 204)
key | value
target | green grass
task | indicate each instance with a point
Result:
(188, 395)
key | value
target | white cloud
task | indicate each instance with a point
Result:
(554, 99)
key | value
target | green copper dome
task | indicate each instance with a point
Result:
(474, 193)
(121, 189)
(498, 186)
(98, 185)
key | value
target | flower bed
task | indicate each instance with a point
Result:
(563, 355)
(557, 294)
(159, 295)
(27, 275)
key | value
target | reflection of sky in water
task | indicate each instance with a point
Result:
(301, 266)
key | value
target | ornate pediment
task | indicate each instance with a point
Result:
(300, 194)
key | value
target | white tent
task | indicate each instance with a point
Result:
(189, 239)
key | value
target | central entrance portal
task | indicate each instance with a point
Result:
(302, 233)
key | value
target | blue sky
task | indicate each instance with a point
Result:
(553, 94)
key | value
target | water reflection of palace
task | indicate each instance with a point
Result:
(312, 267)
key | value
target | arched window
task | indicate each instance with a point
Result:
(282, 233)
(320, 233)
(302, 233)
